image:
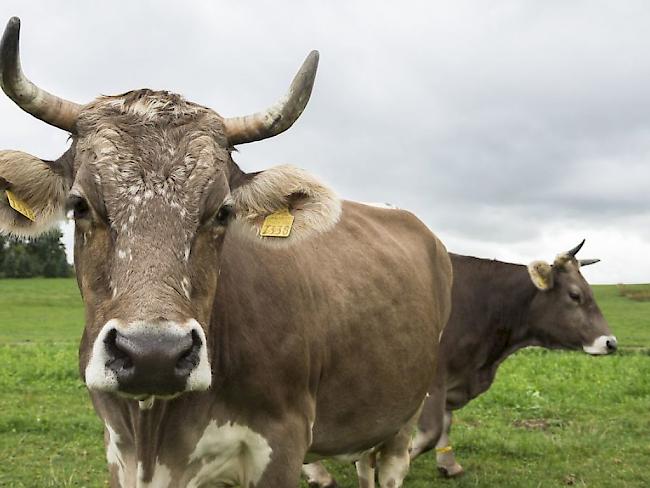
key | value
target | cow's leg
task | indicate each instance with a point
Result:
(366, 470)
(289, 441)
(429, 426)
(445, 459)
(318, 476)
(430, 423)
(393, 457)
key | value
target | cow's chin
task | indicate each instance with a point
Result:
(145, 362)
(602, 345)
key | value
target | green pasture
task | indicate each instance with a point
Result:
(551, 419)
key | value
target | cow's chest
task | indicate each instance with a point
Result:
(228, 455)
(224, 455)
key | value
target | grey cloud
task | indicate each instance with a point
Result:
(496, 123)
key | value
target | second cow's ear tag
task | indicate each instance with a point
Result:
(278, 224)
(20, 206)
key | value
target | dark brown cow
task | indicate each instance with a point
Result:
(498, 308)
(216, 356)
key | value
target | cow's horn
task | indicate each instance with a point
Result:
(280, 116)
(587, 262)
(33, 100)
(575, 250)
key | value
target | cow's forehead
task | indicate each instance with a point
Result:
(144, 146)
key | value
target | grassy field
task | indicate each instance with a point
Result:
(551, 419)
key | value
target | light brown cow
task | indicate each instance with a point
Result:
(213, 355)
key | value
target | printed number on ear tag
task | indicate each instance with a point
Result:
(19, 206)
(278, 224)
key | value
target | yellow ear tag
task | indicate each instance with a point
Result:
(278, 224)
(19, 206)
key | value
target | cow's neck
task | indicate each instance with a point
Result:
(511, 293)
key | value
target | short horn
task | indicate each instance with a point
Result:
(280, 116)
(575, 250)
(587, 262)
(32, 99)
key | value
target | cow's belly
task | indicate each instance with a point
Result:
(374, 385)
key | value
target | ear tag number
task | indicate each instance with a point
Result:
(19, 206)
(278, 224)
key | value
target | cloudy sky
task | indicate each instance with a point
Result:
(512, 128)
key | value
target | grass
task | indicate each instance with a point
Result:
(551, 419)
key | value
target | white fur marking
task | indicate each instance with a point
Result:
(162, 477)
(113, 454)
(599, 346)
(231, 454)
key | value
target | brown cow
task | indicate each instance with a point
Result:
(498, 308)
(214, 355)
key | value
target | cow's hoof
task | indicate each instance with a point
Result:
(452, 471)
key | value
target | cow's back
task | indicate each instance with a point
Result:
(350, 319)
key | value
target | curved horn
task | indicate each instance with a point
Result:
(33, 100)
(280, 116)
(575, 250)
(587, 262)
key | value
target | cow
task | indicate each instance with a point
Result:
(497, 309)
(236, 324)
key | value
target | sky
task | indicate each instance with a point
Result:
(513, 129)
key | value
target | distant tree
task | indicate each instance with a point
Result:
(42, 256)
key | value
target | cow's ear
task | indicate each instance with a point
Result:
(32, 195)
(268, 202)
(541, 274)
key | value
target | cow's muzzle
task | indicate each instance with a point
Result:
(603, 344)
(144, 360)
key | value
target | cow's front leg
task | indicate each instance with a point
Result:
(318, 476)
(366, 470)
(289, 443)
(445, 459)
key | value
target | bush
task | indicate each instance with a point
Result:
(26, 258)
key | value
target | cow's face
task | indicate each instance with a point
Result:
(150, 200)
(564, 312)
(152, 188)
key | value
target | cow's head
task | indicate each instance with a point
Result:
(564, 312)
(152, 187)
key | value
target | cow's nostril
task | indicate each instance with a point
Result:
(118, 355)
(190, 357)
(611, 345)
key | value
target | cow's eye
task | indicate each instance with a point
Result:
(574, 295)
(78, 207)
(223, 215)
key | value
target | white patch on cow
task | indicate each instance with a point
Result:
(599, 346)
(231, 454)
(201, 377)
(148, 194)
(162, 477)
(147, 403)
(99, 377)
(121, 254)
(185, 284)
(187, 253)
(113, 454)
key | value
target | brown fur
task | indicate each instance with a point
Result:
(322, 332)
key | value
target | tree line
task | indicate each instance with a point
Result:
(30, 257)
